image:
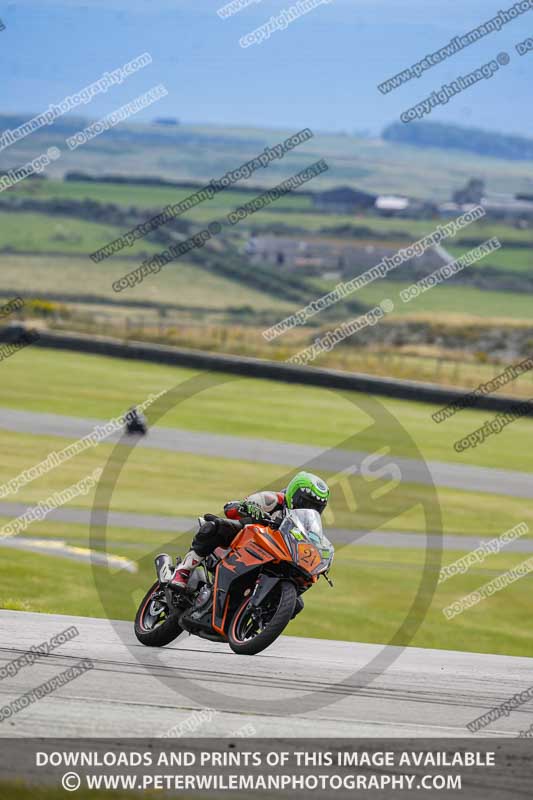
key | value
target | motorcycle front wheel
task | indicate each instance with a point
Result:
(154, 625)
(254, 628)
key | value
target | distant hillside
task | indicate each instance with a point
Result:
(191, 154)
(455, 137)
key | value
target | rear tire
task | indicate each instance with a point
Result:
(162, 632)
(273, 628)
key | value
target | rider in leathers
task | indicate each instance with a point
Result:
(305, 490)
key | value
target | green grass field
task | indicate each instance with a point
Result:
(382, 585)
(447, 300)
(510, 259)
(372, 594)
(477, 231)
(148, 196)
(40, 233)
(181, 283)
(147, 485)
(293, 210)
(100, 387)
(43, 235)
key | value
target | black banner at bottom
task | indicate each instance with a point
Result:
(244, 768)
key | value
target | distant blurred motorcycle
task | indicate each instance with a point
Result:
(135, 422)
(246, 595)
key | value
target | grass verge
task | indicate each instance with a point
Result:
(372, 597)
(45, 380)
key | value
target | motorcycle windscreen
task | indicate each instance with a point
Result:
(311, 548)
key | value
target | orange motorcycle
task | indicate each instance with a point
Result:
(246, 595)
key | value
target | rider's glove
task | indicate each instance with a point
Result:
(252, 510)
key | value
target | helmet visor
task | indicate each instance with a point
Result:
(306, 500)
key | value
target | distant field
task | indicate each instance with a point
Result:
(445, 300)
(186, 284)
(202, 152)
(288, 210)
(40, 233)
(180, 283)
(476, 231)
(508, 258)
(146, 196)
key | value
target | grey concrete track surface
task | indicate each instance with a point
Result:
(451, 475)
(138, 691)
(158, 522)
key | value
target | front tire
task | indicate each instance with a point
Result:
(247, 635)
(152, 629)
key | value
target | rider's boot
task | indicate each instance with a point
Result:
(181, 575)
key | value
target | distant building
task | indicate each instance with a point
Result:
(405, 207)
(391, 204)
(325, 256)
(343, 200)
(502, 207)
(471, 194)
(508, 209)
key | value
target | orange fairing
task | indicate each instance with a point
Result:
(270, 545)
(255, 544)
(308, 556)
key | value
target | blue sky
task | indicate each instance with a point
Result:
(321, 72)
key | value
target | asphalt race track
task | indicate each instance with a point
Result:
(451, 475)
(143, 692)
(157, 522)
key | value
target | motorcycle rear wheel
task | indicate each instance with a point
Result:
(247, 635)
(155, 630)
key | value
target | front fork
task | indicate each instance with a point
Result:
(264, 585)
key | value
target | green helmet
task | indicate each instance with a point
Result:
(307, 491)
